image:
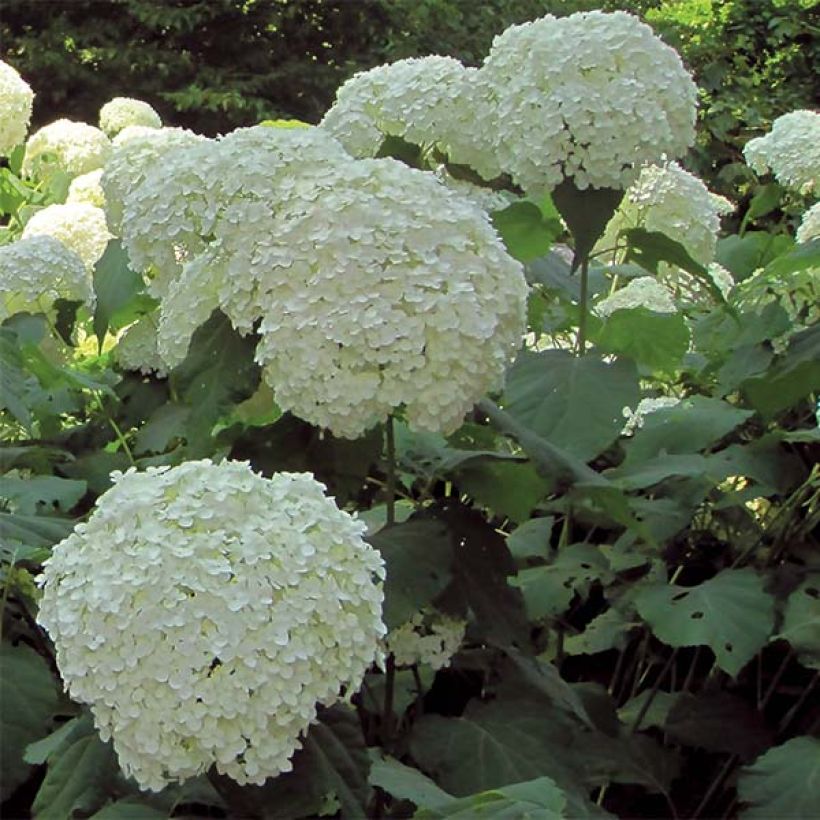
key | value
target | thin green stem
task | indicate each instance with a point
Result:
(654, 691)
(387, 714)
(789, 716)
(390, 443)
(582, 319)
(710, 793)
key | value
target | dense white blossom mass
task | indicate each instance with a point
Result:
(73, 148)
(791, 150)
(80, 227)
(38, 270)
(428, 639)
(809, 227)
(204, 611)
(16, 98)
(137, 349)
(87, 189)
(592, 96)
(635, 419)
(643, 291)
(122, 112)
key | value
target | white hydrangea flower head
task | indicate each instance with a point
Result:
(593, 96)
(36, 271)
(136, 150)
(374, 299)
(74, 148)
(122, 112)
(16, 99)
(809, 225)
(430, 639)
(486, 198)
(669, 199)
(791, 150)
(78, 226)
(87, 189)
(137, 349)
(643, 291)
(635, 419)
(204, 611)
(411, 99)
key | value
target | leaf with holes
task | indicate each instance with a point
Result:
(730, 613)
(801, 622)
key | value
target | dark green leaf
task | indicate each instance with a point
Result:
(586, 212)
(765, 200)
(801, 622)
(115, 285)
(742, 256)
(33, 530)
(28, 494)
(66, 319)
(607, 631)
(406, 783)
(525, 231)
(531, 538)
(129, 808)
(804, 256)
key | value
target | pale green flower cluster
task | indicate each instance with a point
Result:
(87, 189)
(73, 148)
(592, 97)
(376, 286)
(137, 349)
(810, 224)
(430, 639)
(16, 99)
(412, 99)
(204, 611)
(80, 227)
(791, 151)
(635, 419)
(669, 199)
(37, 271)
(644, 291)
(122, 112)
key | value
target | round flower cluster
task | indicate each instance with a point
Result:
(809, 225)
(38, 270)
(78, 226)
(592, 96)
(375, 299)
(87, 189)
(137, 349)
(430, 640)
(791, 150)
(16, 98)
(121, 112)
(204, 611)
(644, 291)
(412, 99)
(668, 199)
(136, 150)
(71, 147)
(635, 420)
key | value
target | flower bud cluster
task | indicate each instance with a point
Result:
(427, 639)
(16, 98)
(122, 112)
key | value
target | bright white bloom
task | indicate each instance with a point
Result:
(668, 199)
(411, 99)
(645, 407)
(644, 291)
(137, 349)
(791, 150)
(16, 98)
(121, 112)
(592, 96)
(38, 270)
(137, 150)
(810, 224)
(71, 147)
(385, 290)
(428, 639)
(486, 198)
(78, 226)
(204, 611)
(87, 189)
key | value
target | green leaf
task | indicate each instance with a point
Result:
(66, 319)
(19, 391)
(804, 256)
(656, 340)
(801, 622)
(730, 613)
(586, 212)
(418, 556)
(33, 530)
(649, 473)
(656, 713)
(29, 695)
(576, 401)
(218, 372)
(115, 285)
(742, 256)
(532, 538)
(525, 231)
(539, 799)
(791, 377)
(765, 200)
(607, 631)
(129, 808)
(27, 494)
(167, 423)
(548, 590)
(783, 783)
(693, 425)
(406, 783)
(80, 773)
